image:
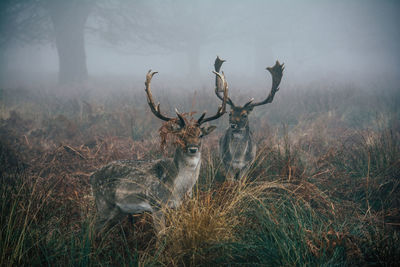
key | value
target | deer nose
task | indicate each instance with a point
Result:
(193, 150)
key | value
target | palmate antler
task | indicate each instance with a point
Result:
(156, 108)
(218, 81)
(276, 72)
(222, 108)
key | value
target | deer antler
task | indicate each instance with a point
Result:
(276, 72)
(218, 82)
(222, 108)
(156, 109)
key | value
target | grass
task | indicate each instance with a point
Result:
(323, 191)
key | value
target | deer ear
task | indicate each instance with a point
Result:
(206, 130)
(175, 127)
(250, 108)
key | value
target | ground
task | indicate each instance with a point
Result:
(324, 189)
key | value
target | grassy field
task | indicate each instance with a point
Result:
(324, 190)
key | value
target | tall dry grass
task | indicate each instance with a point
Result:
(324, 189)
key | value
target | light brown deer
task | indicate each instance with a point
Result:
(237, 147)
(137, 186)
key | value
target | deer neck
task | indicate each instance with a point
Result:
(188, 171)
(237, 147)
(239, 142)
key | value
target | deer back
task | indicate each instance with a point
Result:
(134, 181)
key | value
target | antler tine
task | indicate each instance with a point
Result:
(249, 102)
(276, 72)
(218, 82)
(181, 118)
(222, 109)
(155, 109)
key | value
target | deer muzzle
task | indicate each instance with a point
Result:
(192, 150)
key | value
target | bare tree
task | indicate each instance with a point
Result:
(64, 23)
(166, 26)
(187, 26)
(40, 21)
(21, 22)
(69, 19)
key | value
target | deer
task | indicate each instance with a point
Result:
(129, 187)
(237, 147)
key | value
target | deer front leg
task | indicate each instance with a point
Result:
(159, 222)
(243, 173)
(230, 174)
(107, 218)
(107, 214)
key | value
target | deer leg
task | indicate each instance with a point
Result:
(238, 175)
(107, 218)
(243, 173)
(230, 174)
(159, 222)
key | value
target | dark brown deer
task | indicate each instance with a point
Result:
(237, 147)
(137, 186)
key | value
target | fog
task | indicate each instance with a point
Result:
(324, 41)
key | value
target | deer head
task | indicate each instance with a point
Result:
(238, 116)
(188, 133)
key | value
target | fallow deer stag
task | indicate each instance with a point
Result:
(237, 147)
(136, 186)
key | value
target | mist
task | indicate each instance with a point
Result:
(354, 41)
(297, 164)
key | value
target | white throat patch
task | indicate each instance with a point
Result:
(187, 176)
(192, 161)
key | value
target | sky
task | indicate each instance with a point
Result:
(355, 41)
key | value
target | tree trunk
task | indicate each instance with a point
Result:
(69, 19)
(3, 65)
